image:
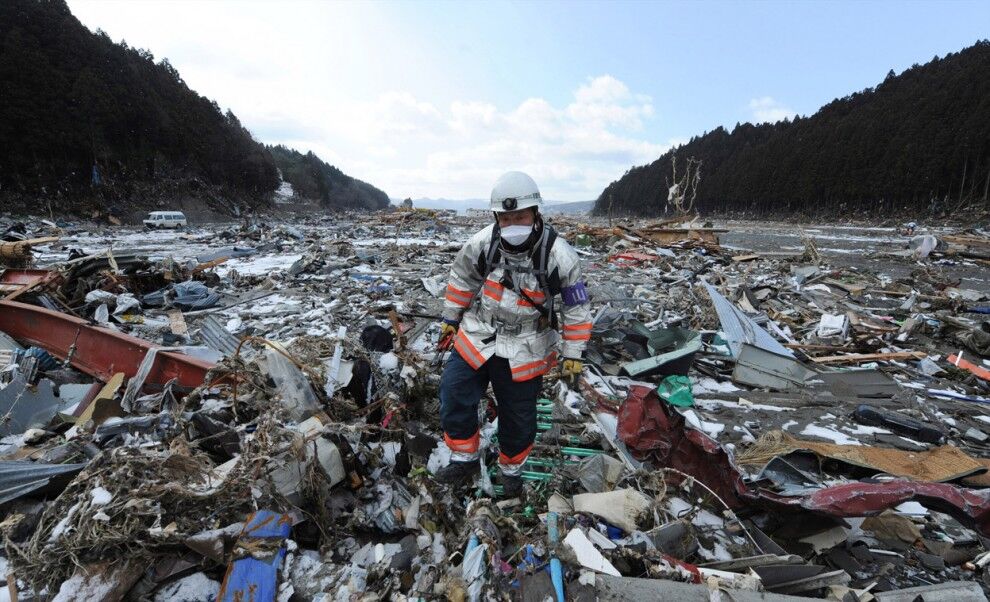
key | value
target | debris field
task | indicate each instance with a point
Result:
(249, 411)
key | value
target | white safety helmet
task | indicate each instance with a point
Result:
(515, 190)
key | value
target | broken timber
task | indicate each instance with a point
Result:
(21, 249)
(870, 357)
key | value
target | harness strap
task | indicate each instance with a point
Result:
(549, 284)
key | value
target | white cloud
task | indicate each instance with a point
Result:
(768, 110)
(399, 113)
(412, 147)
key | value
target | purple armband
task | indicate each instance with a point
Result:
(451, 322)
(574, 295)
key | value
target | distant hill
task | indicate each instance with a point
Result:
(917, 143)
(312, 178)
(458, 205)
(573, 208)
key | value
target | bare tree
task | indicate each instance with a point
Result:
(682, 191)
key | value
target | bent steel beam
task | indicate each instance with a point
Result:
(99, 352)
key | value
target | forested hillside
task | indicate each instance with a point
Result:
(312, 178)
(91, 126)
(918, 143)
(81, 116)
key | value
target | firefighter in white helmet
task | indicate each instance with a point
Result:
(502, 317)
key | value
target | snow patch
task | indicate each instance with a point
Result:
(101, 497)
(194, 588)
(81, 587)
(708, 384)
(257, 266)
(838, 437)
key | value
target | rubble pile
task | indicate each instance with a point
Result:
(250, 411)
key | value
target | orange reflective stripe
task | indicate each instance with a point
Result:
(582, 326)
(467, 351)
(536, 296)
(516, 459)
(494, 290)
(453, 290)
(577, 337)
(467, 446)
(458, 296)
(534, 369)
(524, 376)
(458, 300)
(529, 366)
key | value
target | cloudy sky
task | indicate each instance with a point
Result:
(436, 99)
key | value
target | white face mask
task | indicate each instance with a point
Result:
(516, 235)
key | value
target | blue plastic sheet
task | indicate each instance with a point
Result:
(254, 578)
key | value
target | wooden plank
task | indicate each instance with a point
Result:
(855, 358)
(816, 347)
(209, 264)
(107, 393)
(397, 327)
(40, 241)
(852, 289)
(968, 240)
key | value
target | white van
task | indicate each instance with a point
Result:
(165, 219)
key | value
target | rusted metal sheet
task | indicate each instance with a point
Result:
(22, 277)
(654, 432)
(16, 282)
(99, 352)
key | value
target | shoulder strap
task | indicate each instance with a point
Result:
(542, 262)
(486, 262)
(550, 283)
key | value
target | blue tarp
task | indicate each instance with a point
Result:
(253, 578)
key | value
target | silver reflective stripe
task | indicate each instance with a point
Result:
(512, 470)
(464, 456)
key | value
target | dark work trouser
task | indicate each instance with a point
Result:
(461, 388)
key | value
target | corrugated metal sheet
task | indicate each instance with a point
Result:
(21, 477)
(760, 368)
(739, 328)
(23, 406)
(215, 335)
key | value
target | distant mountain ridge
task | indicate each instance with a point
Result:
(917, 143)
